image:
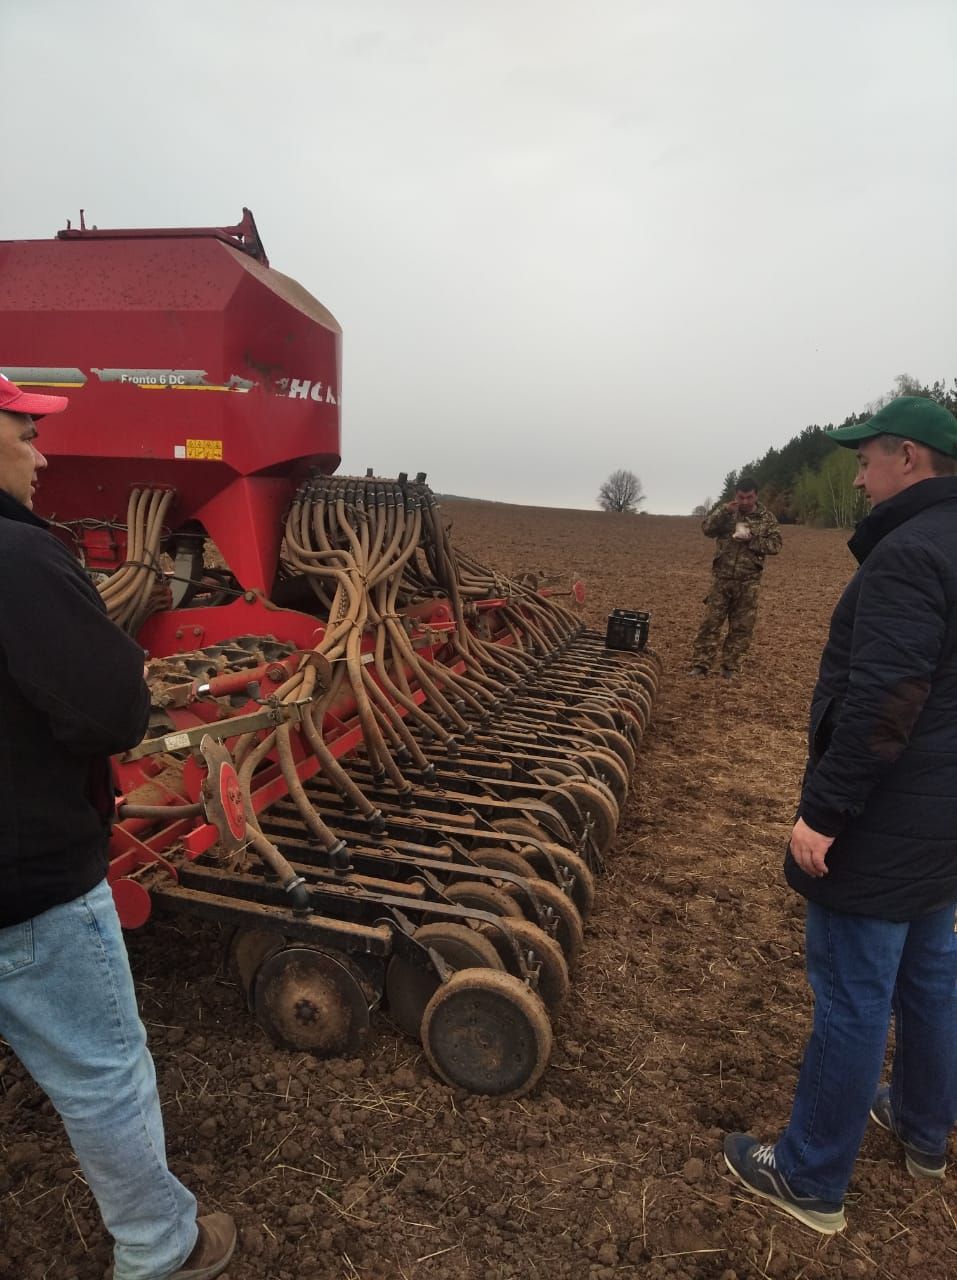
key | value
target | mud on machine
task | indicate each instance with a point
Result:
(392, 771)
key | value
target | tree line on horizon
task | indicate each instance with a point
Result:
(809, 479)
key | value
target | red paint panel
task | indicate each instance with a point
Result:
(201, 369)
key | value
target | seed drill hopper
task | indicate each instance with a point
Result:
(391, 771)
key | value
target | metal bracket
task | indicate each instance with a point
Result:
(183, 740)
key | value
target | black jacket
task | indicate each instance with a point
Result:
(71, 694)
(882, 766)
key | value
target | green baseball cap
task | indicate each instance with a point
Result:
(911, 418)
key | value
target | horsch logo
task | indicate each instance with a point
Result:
(305, 389)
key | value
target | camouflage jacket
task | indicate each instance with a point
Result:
(741, 561)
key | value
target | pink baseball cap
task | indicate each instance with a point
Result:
(13, 400)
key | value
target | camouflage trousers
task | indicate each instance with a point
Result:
(738, 603)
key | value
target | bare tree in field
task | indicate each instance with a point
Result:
(622, 491)
(702, 509)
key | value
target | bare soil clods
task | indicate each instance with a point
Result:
(687, 1017)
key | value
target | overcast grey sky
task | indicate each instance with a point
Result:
(560, 237)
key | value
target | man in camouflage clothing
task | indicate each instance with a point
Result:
(746, 532)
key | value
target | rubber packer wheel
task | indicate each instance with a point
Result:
(610, 740)
(522, 827)
(646, 676)
(598, 713)
(553, 777)
(408, 988)
(482, 897)
(503, 860)
(488, 1033)
(554, 983)
(622, 748)
(600, 808)
(632, 728)
(605, 789)
(569, 932)
(638, 702)
(611, 771)
(583, 886)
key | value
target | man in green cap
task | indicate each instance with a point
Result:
(874, 847)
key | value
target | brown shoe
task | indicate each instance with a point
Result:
(211, 1253)
(213, 1248)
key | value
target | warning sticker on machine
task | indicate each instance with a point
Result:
(209, 449)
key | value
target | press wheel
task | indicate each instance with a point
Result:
(598, 807)
(602, 786)
(308, 999)
(550, 777)
(610, 770)
(622, 748)
(554, 983)
(496, 859)
(598, 713)
(568, 765)
(646, 677)
(632, 726)
(554, 821)
(563, 767)
(522, 827)
(559, 799)
(583, 883)
(409, 988)
(488, 1033)
(637, 702)
(482, 896)
(569, 930)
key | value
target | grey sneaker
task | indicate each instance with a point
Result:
(919, 1163)
(752, 1163)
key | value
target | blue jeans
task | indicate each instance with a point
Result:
(68, 1011)
(859, 970)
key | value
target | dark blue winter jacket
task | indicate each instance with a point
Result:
(882, 753)
(71, 694)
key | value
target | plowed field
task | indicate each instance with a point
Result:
(687, 1017)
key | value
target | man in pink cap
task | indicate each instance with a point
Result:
(72, 694)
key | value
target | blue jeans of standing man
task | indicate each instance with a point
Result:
(68, 1011)
(859, 970)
